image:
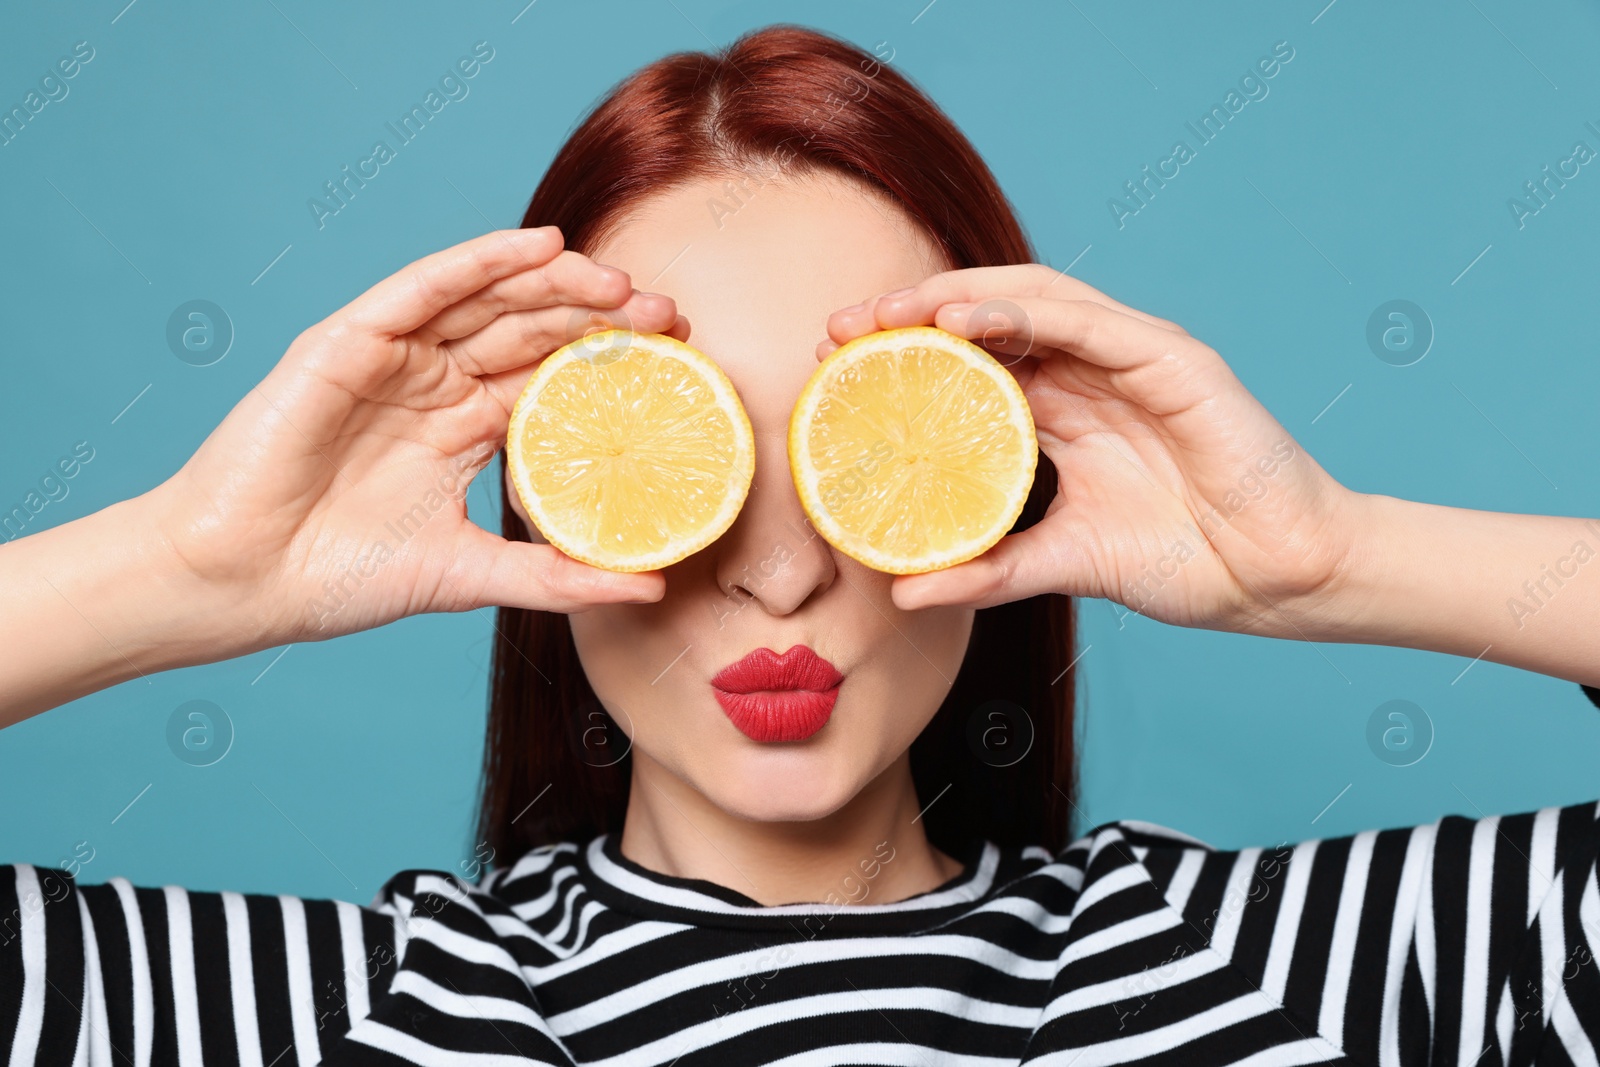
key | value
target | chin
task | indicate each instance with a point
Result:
(782, 783)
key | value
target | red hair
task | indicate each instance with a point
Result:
(795, 98)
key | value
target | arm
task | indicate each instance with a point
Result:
(283, 525)
(99, 601)
(118, 974)
(1515, 589)
(1419, 944)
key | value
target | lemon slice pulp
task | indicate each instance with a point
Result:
(630, 451)
(912, 449)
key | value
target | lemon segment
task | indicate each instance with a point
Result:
(912, 449)
(630, 451)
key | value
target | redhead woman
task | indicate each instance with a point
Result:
(670, 889)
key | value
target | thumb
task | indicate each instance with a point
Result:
(1040, 559)
(490, 571)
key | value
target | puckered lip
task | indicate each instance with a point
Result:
(765, 670)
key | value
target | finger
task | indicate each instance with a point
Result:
(915, 305)
(490, 571)
(410, 297)
(998, 283)
(506, 386)
(569, 278)
(1044, 558)
(1165, 372)
(1064, 286)
(1015, 347)
(519, 339)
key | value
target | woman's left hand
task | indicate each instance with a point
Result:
(1179, 495)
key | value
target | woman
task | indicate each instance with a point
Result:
(897, 888)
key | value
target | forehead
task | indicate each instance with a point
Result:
(758, 265)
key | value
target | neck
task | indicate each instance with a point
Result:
(872, 850)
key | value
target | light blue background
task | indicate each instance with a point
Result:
(1378, 167)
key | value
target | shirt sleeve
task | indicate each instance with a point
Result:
(103, 974)
(1463, 941)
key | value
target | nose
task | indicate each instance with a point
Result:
(772, 555)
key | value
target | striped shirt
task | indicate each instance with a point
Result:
(1463, 942)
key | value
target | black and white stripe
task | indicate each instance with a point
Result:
(1465, 942)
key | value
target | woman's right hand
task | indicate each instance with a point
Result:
(333, 497)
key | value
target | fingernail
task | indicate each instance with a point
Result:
(898, 292)
(958, 306)
(853, 308)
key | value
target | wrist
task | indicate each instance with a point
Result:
(134, 603)
(1409, 575)
(170, 615)
(1345, 600)
(1350, 601)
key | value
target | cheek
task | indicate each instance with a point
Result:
(600, 640)
(633, 657)
(926, 646)
(910, 660)
(600, 635)
(624, 649)
(940, 637)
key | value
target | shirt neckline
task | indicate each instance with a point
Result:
(629, 886)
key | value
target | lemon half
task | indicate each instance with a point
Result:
(912, 449)
(630, 451)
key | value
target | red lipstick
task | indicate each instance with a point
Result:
(778, 698)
